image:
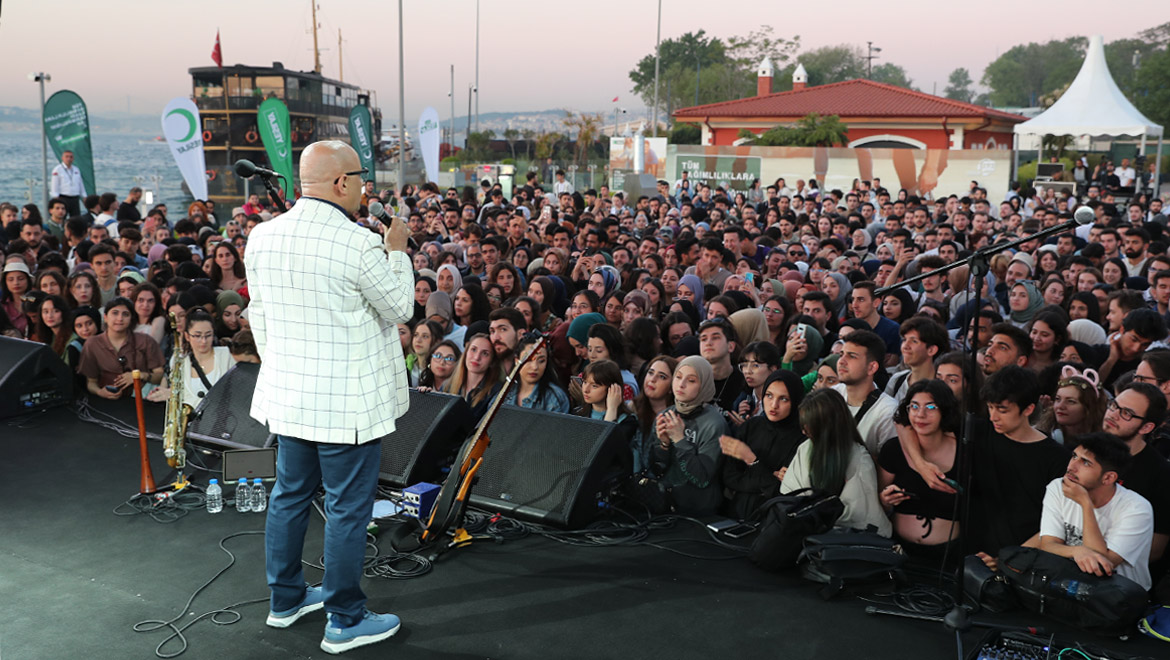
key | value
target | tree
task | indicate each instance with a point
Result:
(587, 128)
(511, 135)
(686, 134)
(812, 130)
(891, 74)
(478, 144)
(1025, 72)
(529, 136)
(676, 56)
(546, 144)
(959, 86)
(1151, 87)
(825, 65)
(748, 52)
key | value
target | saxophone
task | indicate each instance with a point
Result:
(177, 411)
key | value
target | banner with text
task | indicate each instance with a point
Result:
(272, 120)
(361, 136)
(428, 142)
(67, 129)
(180, 125)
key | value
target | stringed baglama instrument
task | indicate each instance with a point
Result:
(452, 500)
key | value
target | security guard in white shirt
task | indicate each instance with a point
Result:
(67, 184)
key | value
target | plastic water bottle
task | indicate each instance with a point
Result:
(243, 496)
(214, 497)
(1074, 589)
(259, 496)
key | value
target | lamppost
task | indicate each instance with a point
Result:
(870, 57)
(42, 78)
(401, 112)
(573, 175)
(592, 168)
(657, 54)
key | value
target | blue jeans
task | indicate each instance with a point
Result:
(350, 476)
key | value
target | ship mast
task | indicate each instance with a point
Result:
(316, 53)
(340, 68)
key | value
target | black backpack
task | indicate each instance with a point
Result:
(843, 557)
(1055, 586)
(788, 520)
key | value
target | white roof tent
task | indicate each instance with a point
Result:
(1094, 106)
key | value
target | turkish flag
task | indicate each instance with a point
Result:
(614, 99)
(216, 53)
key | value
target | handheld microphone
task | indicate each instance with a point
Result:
(247, 169)
(1084, 215)
(378, 211)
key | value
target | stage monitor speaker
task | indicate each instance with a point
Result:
(224, 418)
(425, 439)
(32, 378)
(548, 467)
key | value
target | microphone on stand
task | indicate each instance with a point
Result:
(248, 169)
(1084, 215)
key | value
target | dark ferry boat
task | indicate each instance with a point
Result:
(228, 99)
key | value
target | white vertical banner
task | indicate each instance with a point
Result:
(181, 126)
(428, 142)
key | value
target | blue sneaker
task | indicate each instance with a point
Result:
(372, 628)
(314, 600)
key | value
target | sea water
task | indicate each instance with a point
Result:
(118, 158)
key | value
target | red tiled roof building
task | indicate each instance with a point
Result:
(876, 114)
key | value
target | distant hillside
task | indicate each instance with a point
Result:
(28, 119)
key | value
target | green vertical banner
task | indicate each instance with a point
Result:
(361, 136)
(273, 123)
(67, 129)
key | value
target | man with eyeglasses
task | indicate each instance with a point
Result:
(1134, 415)
(326, 295)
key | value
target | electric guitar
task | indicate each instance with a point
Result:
(451, 503)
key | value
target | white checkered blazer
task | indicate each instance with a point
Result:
(324, 303)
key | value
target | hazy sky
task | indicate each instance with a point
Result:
(534, 54)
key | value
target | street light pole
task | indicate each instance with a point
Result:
(401, 112)
(871, 49)
(477, 65)
(42, 78)
(657, 57)
(451, 137)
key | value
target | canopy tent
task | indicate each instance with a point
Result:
(1094, 106)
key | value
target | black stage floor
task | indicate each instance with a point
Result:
(75, 578)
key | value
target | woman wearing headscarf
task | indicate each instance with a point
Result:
(838, 292)
(750, 326)
(802, 352)
(760, 451)
(688, 308)
(448, 279)
(686, 458)
(156, 252)
(1024, 300)
(1085, 331)
(604, 280)
(635, 305)
(690, 287)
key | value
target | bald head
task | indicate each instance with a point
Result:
(323, 168)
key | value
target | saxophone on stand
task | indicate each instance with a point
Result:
(175, 431)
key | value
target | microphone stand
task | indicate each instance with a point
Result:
(959, 620)
(272, 193)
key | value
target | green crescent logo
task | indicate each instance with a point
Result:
(186, 114)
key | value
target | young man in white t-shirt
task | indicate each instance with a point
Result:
(1088, 517)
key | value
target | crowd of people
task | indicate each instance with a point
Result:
(747, 344)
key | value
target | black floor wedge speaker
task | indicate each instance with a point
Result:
(32, 378)
(548, 467)
(224, 418)
(425, 439)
